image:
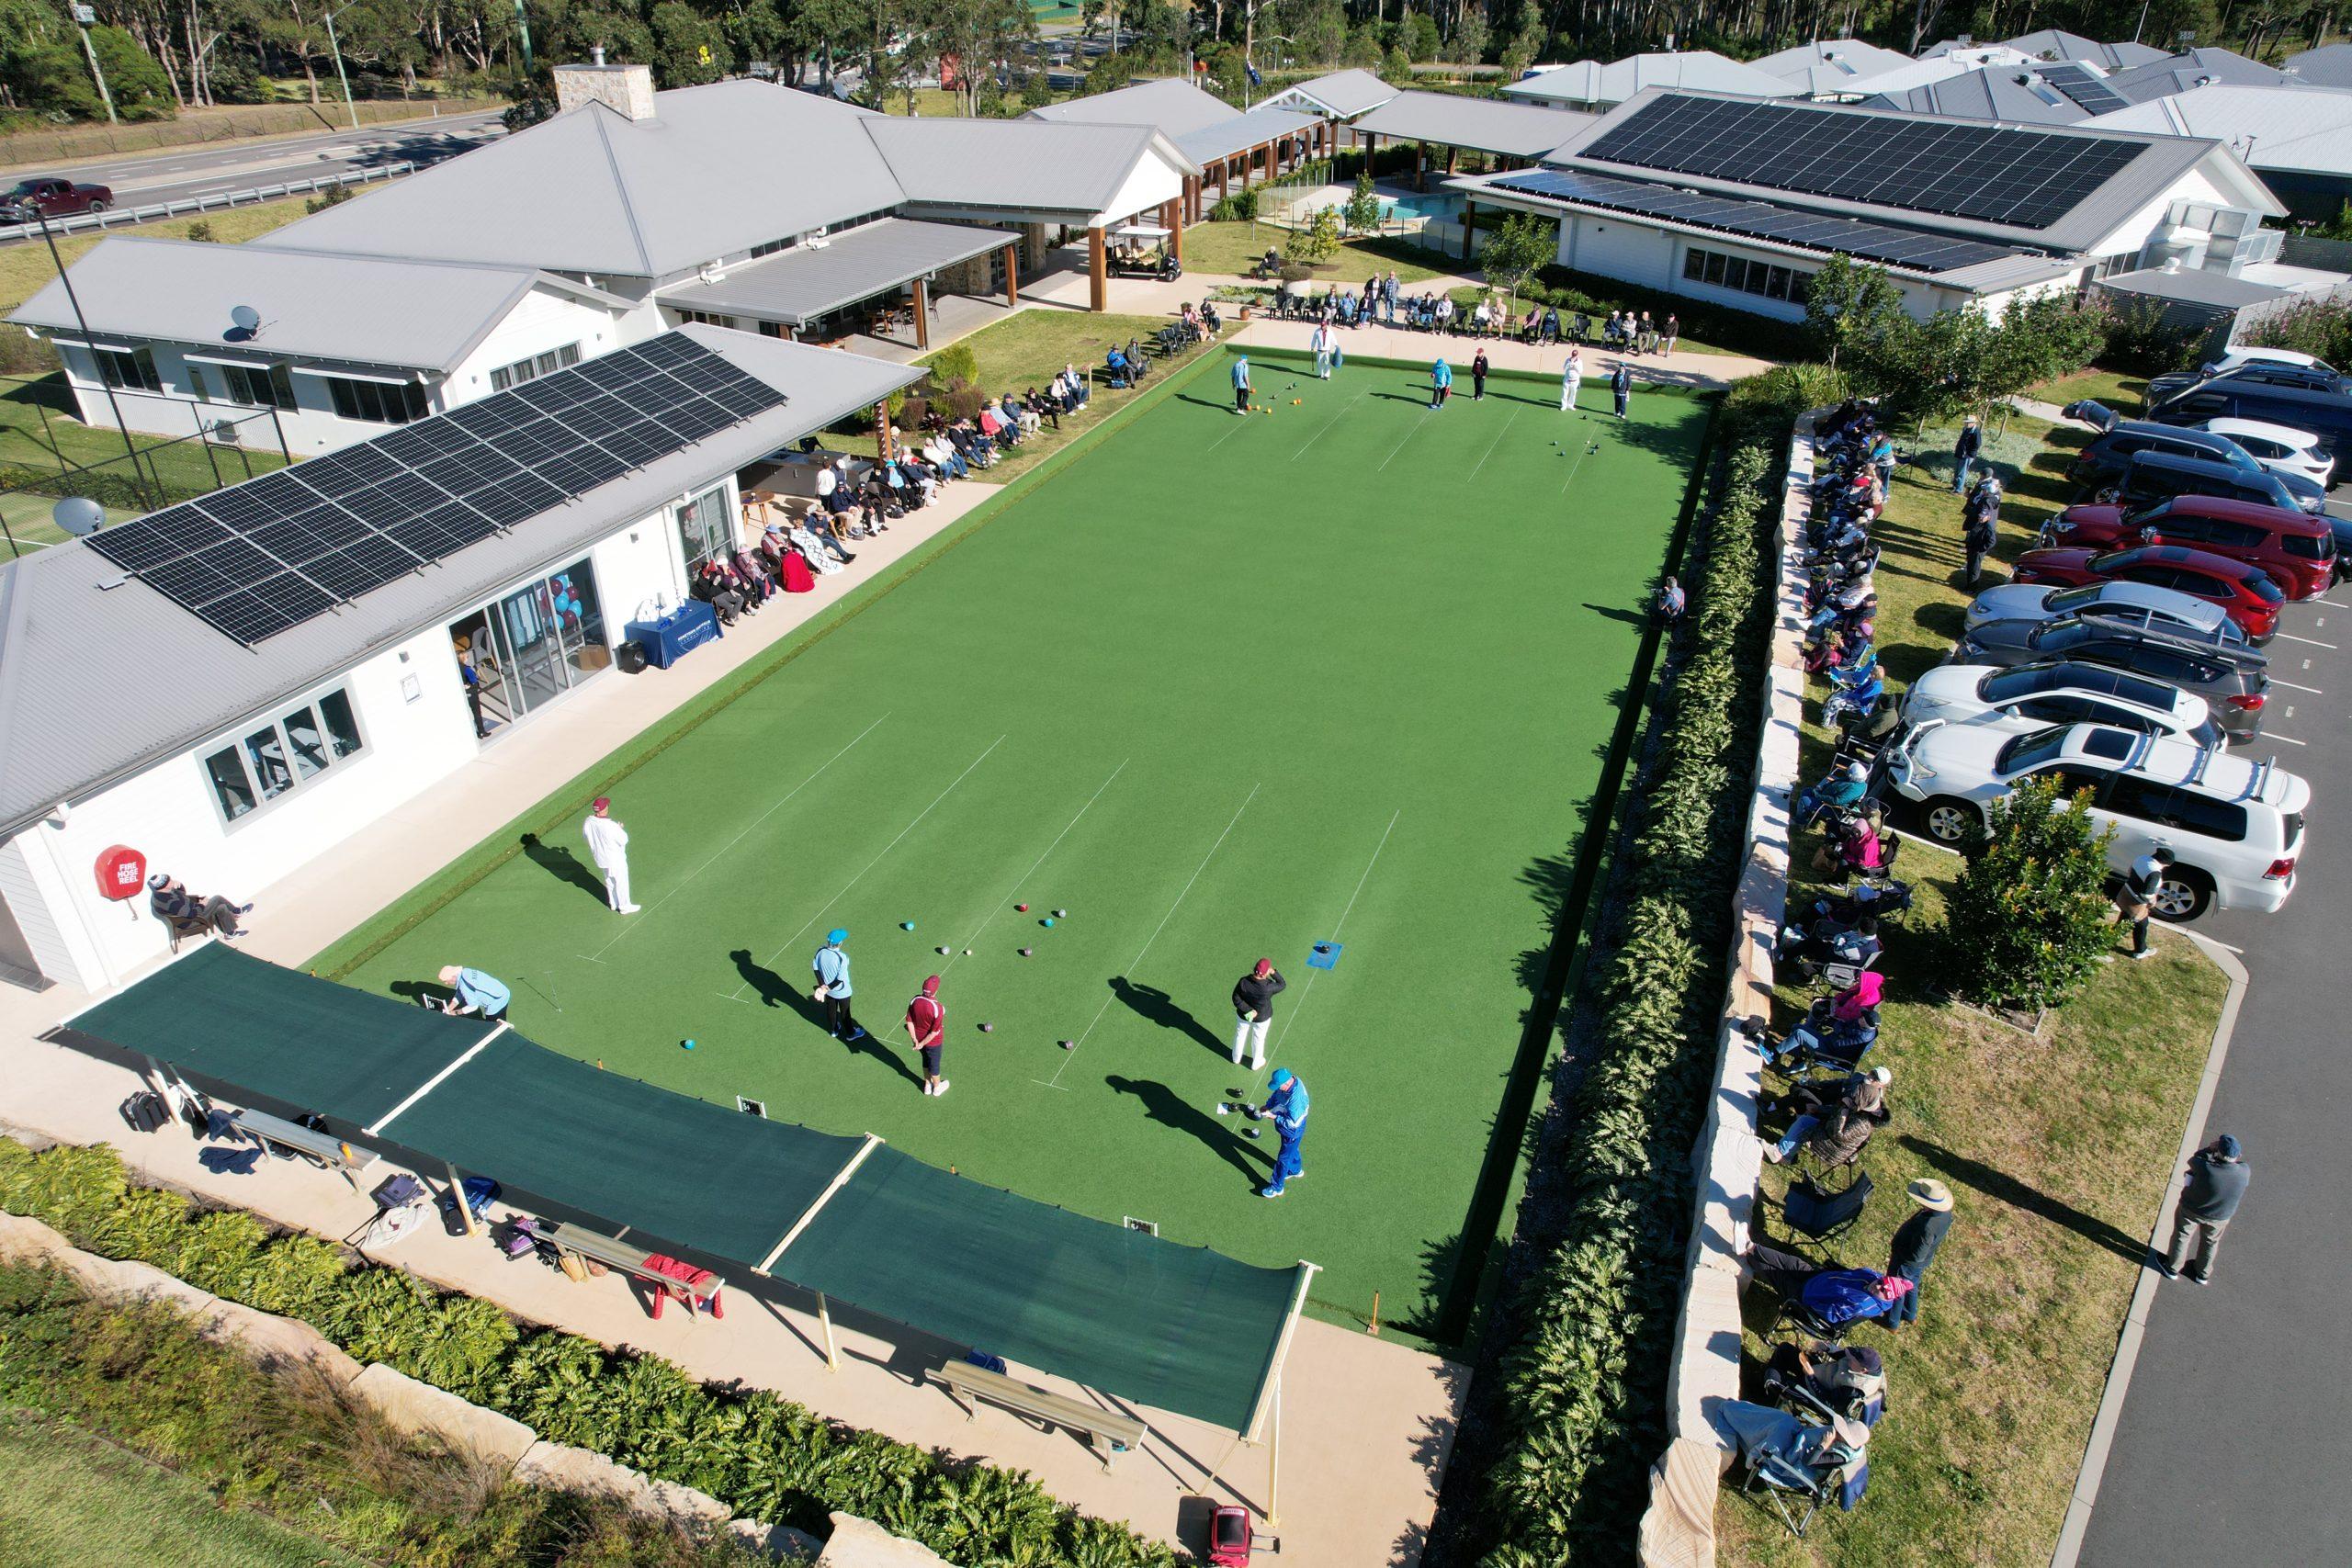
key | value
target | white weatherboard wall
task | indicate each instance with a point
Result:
(1152, 181)
(541, 321)
(168, 813)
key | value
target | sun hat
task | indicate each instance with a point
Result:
(601, 803)
(839, 933)
(1881, 1075)
(1283, 1076)
(1929, 1193)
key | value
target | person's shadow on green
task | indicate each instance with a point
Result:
(562, 864)
(1167, 1108)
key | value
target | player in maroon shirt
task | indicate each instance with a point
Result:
(927, 1027)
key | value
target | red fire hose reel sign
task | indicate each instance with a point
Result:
(123, 872)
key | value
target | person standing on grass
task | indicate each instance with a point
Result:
(2218, 1175)
(1915, 1245)
(927, 1027)
(472, 992)
(608, 847)
(1286, 1103)
(1621, 383)
(1673, 330)
(1964, 453)
(1479, 368)
(832, 968)
(1320, 342)
(1253, 1010)
(1441, 382)
(1242, 382)
(1980, 523)
(1571, 378)
(2135, 901)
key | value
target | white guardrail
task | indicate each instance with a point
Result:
(127, 217)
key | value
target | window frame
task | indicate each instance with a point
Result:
(531, 366)
(142, 376)
(237, 746)
(351, 398)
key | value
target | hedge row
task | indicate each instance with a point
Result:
(762, 1456)
(1580, 1412)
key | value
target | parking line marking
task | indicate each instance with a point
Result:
(2288, 738)
(2314, 690)
(2312, 640)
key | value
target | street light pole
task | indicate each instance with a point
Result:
(90, 344)
(82, 17)
(336, 49)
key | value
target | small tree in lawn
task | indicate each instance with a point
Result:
(1515, 251)
(1363, 212)
(2026, 920)
(1318, 241)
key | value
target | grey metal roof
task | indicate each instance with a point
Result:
(812, 279)
(1344, 93)
(1482, 125)
(2198, 68)
(1242, 132)
(415, 314)
(1589, 82)
(716, 171)
(2056, 43)
(2191, 286)
(2160, 160)
(2329, 65)
(1843, 57)
(1997, 92)
(2303, 128)
(99, 682)
(1171, 106)
(1015, 165)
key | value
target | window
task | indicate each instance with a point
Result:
(774, 329)
(376, 403)
(702, 527)
(251, 385)
(127, 372)
(1719, 270)
(702, 318)
(507, 376)
(277, 758)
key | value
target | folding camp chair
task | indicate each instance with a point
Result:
(1821, 1215)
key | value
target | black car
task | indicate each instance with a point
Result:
(2307, 405)
(2151, 477)
(2256, 373)
(2099, 466)
(2233, 680)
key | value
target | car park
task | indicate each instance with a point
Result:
(2246, 593)
(2252, 354)
(2104, 465)
(2027, 696)
(2317, 376)
(2281, 449)
(2323, 413)
(2130, 604)
(2233, 680)
(2234, 827)
(2151, 477)
(2297, 552)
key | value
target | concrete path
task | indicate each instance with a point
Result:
(1367, 1424)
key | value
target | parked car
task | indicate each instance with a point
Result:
(2234, 826)
(2245, 592)
(2151, 477)
(2249, 354)
(2105, 464)
(2129, 603)
(2297, 552)
(2323, 413)
(2028, 696)
(2235, 681)
(49, 197)
(2316, 377)
(2281, 449)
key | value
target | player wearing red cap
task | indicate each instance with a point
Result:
(608, 847)
(927, 1027)
(1253, 1010)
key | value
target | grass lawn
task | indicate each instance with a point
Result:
(29, 523)
(1205, 690)
(76, 1501)
(2121, 391)
(1232, 249)
(2058, 1153)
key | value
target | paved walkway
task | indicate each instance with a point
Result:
(1367, 1424)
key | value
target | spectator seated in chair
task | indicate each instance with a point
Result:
(187, 915)
(712, 587)
(1115, 365)
(1834, 1117)
(1038, 409)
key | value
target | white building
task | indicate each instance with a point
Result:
(1707, 197)
(132, 719)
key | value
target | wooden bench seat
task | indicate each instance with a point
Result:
(615, 1253)
(1108, 1432)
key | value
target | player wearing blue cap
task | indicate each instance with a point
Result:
(2218, 1175)
(831, 966)
(1286, 1103)
(1441, 387)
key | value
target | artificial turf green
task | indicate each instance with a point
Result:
(1224, 686)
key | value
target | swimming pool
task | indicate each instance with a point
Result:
(1444, 208)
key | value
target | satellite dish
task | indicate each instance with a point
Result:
(78, 515)
(247, 318)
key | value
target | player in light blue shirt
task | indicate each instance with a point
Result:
(832, 968)
(476, 992)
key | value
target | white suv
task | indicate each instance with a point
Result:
(2234, 827)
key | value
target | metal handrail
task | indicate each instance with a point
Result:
(132, 216)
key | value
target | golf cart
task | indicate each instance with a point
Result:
(1140, 250)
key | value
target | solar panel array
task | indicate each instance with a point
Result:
(2084, 87)
(262, 556)
(1758, 220)
(1994, 174)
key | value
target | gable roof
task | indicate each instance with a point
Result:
(1847, 58)
(2056, 43)
(71, 626)
(1175, 108)
(1483, 125)
(1242, 133)
(2329, 65)
(415, 314)
(1930, 69)
(1998, 92)
(593, 191)
(2181, 72)
(1345, 94)
(1589, 82)
(2301, 129)
(1016, 163)
(806, 281)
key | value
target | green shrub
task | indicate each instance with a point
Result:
(1235, 207)
(2026, 922)
(765, 1457)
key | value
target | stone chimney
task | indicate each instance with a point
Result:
(628, 88)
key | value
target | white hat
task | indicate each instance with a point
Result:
(1881, 1075)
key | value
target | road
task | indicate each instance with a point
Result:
(183, 173)
(2230, 1445)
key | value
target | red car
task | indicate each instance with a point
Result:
(2297, 550)
(47, 198)
(2246, 593)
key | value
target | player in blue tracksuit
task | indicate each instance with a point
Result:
(1441, 382)
(1286, 1103)
(1241, 384)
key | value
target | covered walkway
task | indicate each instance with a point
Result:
(892, 267)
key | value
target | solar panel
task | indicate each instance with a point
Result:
(259, 557)
(2085, 87)
(2027, 177)
(1759, 219)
